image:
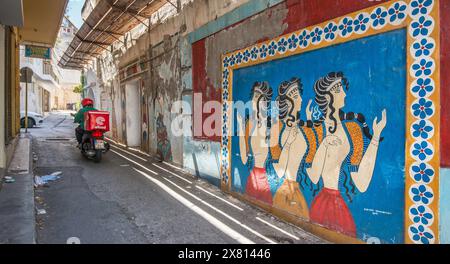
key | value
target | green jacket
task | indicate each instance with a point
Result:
(79, 117)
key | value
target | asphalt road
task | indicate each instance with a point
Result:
(130, 198)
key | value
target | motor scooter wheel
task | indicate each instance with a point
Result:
(98, 156)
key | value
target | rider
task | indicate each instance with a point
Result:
(88, 105)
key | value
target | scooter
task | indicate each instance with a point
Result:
(93, 145)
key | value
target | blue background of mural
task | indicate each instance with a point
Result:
(377, 76)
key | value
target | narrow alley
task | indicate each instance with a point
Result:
(211, 122)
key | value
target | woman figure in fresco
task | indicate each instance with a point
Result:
(254, 146)
(292, 148)
(343, 150)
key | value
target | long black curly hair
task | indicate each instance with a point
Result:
(266, 92)
(324, 99)
(286, 103)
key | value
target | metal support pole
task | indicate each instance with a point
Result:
(26, 101)
(178, 6)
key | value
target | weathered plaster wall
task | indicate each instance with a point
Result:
(194, 15)
(200, 157)
(163, 90)
(207, 52)
(168, 48)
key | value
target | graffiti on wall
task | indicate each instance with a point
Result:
(123, 112)
(324, 138)
(144, 109)
(163, 145)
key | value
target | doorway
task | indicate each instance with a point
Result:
(46, 101)
(133, 113)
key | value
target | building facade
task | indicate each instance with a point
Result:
(51, 87)
(374, 71)
(9, 96)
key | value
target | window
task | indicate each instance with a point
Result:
(47, 67)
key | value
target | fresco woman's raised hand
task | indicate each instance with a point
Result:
(378, 127)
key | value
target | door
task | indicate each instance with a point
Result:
(133, 114)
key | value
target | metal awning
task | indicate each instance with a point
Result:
(108, 21)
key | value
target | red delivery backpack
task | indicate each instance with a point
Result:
(96, 120)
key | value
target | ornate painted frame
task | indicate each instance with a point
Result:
(421, 19)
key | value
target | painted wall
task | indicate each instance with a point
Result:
(313, 14)
(200, 157)
(230, 32)
(179, 70)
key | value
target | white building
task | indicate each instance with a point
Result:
(51, 87)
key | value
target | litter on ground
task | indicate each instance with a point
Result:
(44, 180)
(9, 179)
(41, 211)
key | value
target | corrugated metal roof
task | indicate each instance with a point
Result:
(109, 20)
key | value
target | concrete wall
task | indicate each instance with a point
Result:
(168, 47)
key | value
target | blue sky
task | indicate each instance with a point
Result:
(74, 12)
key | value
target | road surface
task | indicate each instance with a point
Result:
(131, 198)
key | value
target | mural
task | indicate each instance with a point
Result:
(330, 150)
(339, 162)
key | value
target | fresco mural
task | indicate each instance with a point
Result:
(324, 138)
(336, 147)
